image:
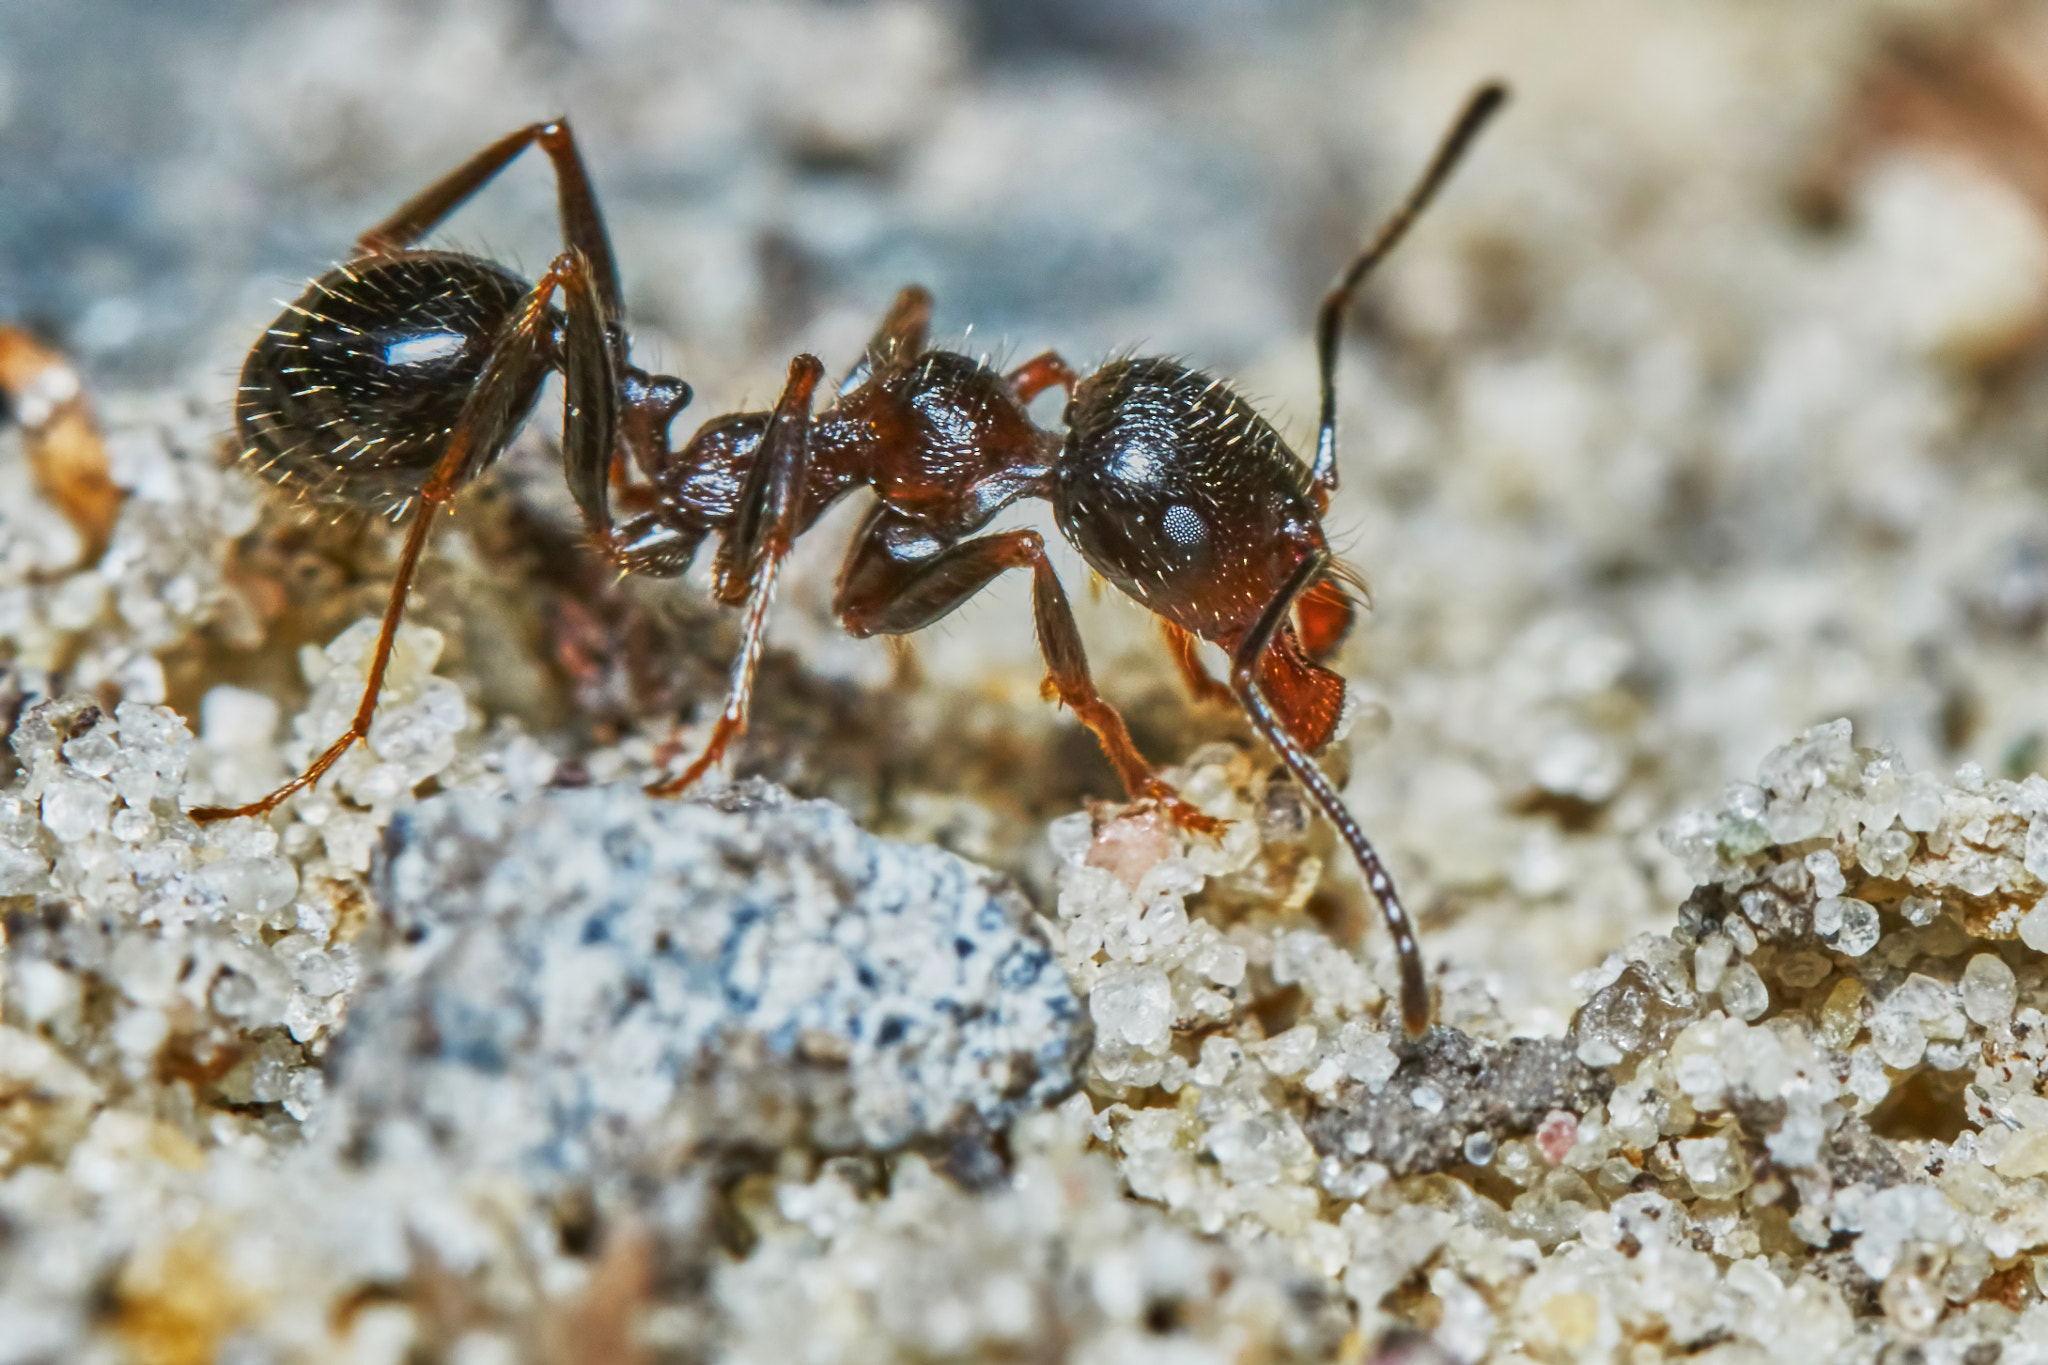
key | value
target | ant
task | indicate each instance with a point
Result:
(1171, 486)
(402, 375)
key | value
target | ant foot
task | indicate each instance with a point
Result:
(207, 815)
(1183, 815)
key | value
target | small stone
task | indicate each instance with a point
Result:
(1575, 1317)
(1989, 990)
(1556, 1135)
(1860, 928)
(75, 808)
(234, 718)
(1913, 1304)
(2033, 928)
(1897, 1037)
(1714, 1166)
(1744, 800)
(1921, 910)
(1134, 1004)
(1868, 1079)
(1885, 853)
(1130, 846)
(1427, 1099)
(1826, 872)
(596, 950)
(1479, 1148)
(1373, 1062)
(2036, 860)
(1743, 993)
(1290, 1053)
(1841, 1018)
(1828, 916)
(1920, 810)
(1803, 969)
(1709, 961)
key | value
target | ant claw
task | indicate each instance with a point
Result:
(1184, 816)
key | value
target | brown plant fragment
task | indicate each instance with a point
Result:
(64, 446)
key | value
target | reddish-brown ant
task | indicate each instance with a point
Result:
(1168, 483)
(403, 374)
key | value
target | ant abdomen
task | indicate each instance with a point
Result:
(352, 393)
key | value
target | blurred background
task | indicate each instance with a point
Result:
(1707, 405)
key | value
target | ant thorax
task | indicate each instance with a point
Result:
(942, 439)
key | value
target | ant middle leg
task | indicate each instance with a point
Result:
(882, 593)
(489, 416)
(750, 559)
(900, 337)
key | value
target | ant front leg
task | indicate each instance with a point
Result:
(884, 592)
(750, 557)
(486, 424)
(1183, 645)
(1247, 665)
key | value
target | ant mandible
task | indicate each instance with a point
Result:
(1168, 483)
(400, 376)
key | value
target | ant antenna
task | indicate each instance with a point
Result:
(1484, 103)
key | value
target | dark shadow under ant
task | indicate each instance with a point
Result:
(401, 375)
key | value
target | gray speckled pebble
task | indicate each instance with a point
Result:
(592, 976)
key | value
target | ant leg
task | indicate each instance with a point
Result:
(1059, 639)
(1040, 373)
(1200, 685)
(488, 419)
(751, 556)
(900, 338)
(881, 593)
(1244, 676)
(1481, 106)
(582, 225)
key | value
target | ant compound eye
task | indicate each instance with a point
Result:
(1185, 525)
